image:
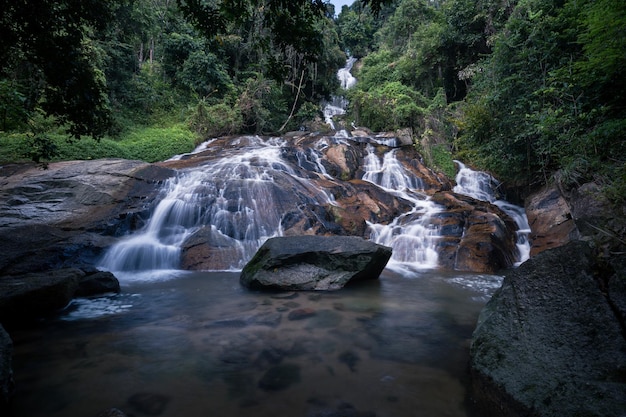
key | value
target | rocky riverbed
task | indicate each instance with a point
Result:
(57, 223)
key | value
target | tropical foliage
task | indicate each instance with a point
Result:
(533, 89)
(98, 68)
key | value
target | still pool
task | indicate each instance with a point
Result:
(198, 344)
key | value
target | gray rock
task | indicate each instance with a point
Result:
(99, 282)
(6, 371)
(548, 343)
(32, 295)
(58, 218)
(314, 263)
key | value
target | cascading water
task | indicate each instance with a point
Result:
(345, 75)
(412, 236)
(158, 246)
(231, 199)
(337, 105)
(482, 186)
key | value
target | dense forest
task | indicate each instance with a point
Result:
(530, 90)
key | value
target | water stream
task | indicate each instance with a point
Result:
(337, 105)
(411, 235)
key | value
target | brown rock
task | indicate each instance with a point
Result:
(477, 236)
(550, 219)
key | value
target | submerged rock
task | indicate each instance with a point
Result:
(149, 403)
(549, 343)
(112, 412)
(280, 377)
(314, 263)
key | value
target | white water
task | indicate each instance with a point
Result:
(345, 76)
(228, 198)
(482, 186)
(233, 201)
(337, 105)
(412, 236)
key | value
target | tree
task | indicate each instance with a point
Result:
(47, 54)
(548, 102)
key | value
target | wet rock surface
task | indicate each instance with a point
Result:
(549, 342)
(64, 216)
(314, 263)
(36, 294)
(550, 219)
(477, 235)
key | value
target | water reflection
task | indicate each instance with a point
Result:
(202, 345)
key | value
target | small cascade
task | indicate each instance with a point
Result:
(345, 76)
(390, 174)
(158, 246)
(484, 187)
(338, 104)
(412, 235)
(336, 107)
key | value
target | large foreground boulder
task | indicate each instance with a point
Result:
(314, 263)
(549, 343)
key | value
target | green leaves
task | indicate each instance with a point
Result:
(51, 39)
(388, 107)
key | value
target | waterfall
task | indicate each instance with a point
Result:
(233, 194)
(228, 198)
(345, 76)
(411, 235)
(482, 186)
(158, 246)
(338, 104)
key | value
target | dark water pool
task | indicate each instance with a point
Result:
(201, 345)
